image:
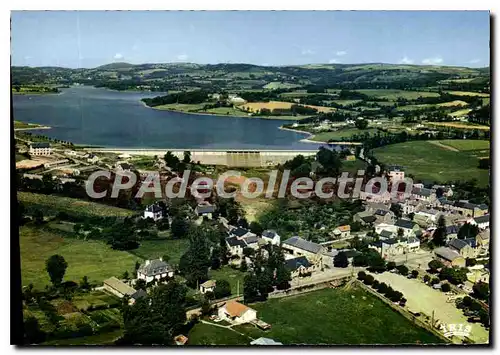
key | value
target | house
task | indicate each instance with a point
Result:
(482, 222)
(390, 247)
(121, 289)
(240, 233)
(299, 266)
(423, 194)
(413, 245)
(237, 313)
(208, 286)
(153, 211)
(235, 245)
(447, 191)
(465, 247)
(449, 257)
(124, 166)
(409, 228)
(265, 341)
(384, 216)
(427, 216)
(396, 172)
(365, 218)
(451, 232)
(43, 149)
(300, 247)
(271, 236)
(483, 239)
(205, 210)
(154, 270)
(386, 234)
(342, 232)
(92, 158)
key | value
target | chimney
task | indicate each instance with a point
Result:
(161, 259)
(147, 262)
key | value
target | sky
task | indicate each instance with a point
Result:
(86, 39)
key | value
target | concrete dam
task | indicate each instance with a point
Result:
(227, 157)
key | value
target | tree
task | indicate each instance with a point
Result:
(368, 279)
(360, 260)
(243, 265)
(414, 273)
(435, 281)
(470, 262)
(215, 259)
(196, 260)
(156, 318)
(250, 289)
(361, 275)
(361, 123)
(187, 157)
(396, 209)
(84, 284)
(427, 278)
(256, 228)
(391, 265)
(401, 232)
(38, 216)
(445, 287)
(179, 227)
(341, 260)
(435, 265)
(163, 224)
(125, 275)
(140, 284)
(222, 289)
(481, 291)
(468, 231)
(32, 332)
(402, 269)
(248, 252)
(56, 267)
(439, 235)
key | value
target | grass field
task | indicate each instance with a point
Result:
(343, 133)
(54, 204)
(328, 316)
(423, 106)
(271, 105)
(394, 94)
(429, 161)
(90, 258)
(468, 93)
(460, 113)
(467, 144)
(231, 275)
(181, 107)
(152, 249)
(465, 125)
(205, 334)
(99, 339)
(279, 85)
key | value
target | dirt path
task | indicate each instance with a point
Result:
(439, 144)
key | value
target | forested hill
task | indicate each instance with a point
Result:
(188, 76)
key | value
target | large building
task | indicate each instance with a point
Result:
(40, 149)
(297, 246)
(154, 270)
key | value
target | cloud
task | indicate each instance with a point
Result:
(406, 60)
(474, 61)
(307, 52)
(333, 61)
(432, 61)
(135, 47)
(341, 53)
(182, 57)
(118, 56)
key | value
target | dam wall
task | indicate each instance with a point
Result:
(232, 158)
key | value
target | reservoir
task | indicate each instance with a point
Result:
(101, 117)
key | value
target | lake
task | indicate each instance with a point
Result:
(98, 116)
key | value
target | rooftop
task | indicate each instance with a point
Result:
(235, 309)
(404, 223)
(482, 219)
(154, 267)
(40, 145)
(202, 209)
(119, 286)
(294, 264)
(265, 341)
(303, 244)
(239, 232)
(447, 253)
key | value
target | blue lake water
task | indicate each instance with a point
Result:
(97, 116)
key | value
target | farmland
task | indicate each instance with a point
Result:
(295, 320)
(272, 105)
(90, 258)
(431, 162)
(465, 125)
(54, 204)
(341, 134)
(152, 249)
(395, 94)
(231, 275)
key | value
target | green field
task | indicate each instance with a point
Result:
(231, 275)
(394, 94)
(341, 134)
(90, 258)
(328, 316)
(467, 145)
(152, 249)
(99, 339)
(54, 204)
(428, 161)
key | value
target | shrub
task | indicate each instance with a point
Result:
(403, 270)
(445, 287)
(427, 278)
(434, 281)
(375, 284)
(361, 275)
(369, 280)
(391, 265)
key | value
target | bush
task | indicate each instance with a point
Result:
(375, 284)
(427, 278)
(361, 275)
(391, 265)
(403, 270)
(414, 273)
(435, 280)
(445, 287)
(369, 280)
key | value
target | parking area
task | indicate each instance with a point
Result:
(424, 299)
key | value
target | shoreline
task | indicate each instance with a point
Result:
(308, 140)
(219, 115)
